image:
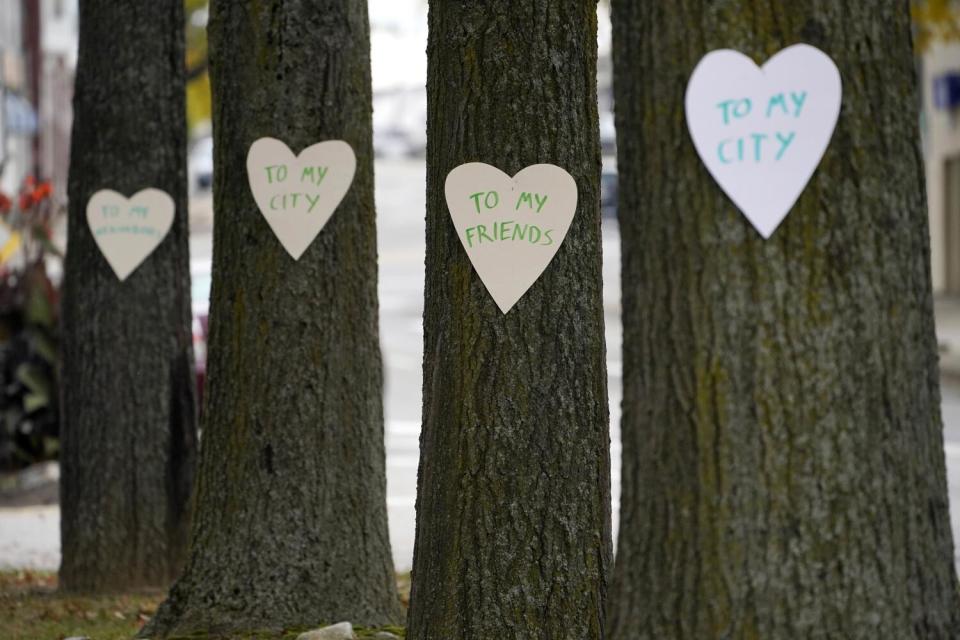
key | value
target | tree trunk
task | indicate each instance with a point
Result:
(513, 513)
(129, 429)
(783, 462)
(291, 525)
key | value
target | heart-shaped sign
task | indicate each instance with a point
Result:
(128, 230)
(298, 194)
(510, 227)
(763, 131)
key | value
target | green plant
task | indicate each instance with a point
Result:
(934, 20)
(29, 306)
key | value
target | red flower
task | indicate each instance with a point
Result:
(26, 199)
(42, 191)
(5, 204)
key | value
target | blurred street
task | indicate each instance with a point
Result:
(29, 535)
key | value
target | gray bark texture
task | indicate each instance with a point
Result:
(783, 464)
(290, 527)
(513, 506)
(129, 418)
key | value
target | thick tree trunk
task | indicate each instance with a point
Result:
(783, 462)
(513, 522)
(129, 429)
(290, 527)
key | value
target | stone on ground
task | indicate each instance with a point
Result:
(340, 631)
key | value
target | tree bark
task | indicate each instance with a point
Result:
(783, 465)
(290, 527)
(129, 428)
(513, 513)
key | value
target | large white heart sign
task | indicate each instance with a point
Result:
(298, 194)
(761, 132)
(128, 230)
(510, 227)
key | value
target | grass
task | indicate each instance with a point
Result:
(32, 609)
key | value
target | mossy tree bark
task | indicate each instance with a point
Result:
(290, 526)
(513, 507)
(783, 465)
(129, 428)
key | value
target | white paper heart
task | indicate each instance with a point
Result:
(761, 132)
(298, 194)
(128, 230)
(510, 227)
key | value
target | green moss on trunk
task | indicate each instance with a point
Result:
(783, 467)
(513, 522)
(291, 524)
(129, 427)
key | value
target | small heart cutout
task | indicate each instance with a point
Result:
(298, 194)
(510, 227)
(127, 230)
(761, 132)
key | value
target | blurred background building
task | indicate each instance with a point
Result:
(38, 50)
(940, 121)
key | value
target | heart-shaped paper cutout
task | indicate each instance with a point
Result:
(510, 227)
(128, 230)
(298, 194)
(761, 132)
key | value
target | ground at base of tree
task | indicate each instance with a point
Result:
(31, 609)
